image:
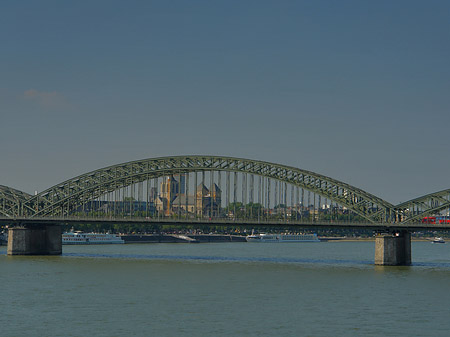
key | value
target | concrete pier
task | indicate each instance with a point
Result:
(393, 249)
(35, 240)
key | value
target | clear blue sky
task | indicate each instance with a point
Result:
(355, 90)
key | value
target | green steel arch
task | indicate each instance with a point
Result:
(65, 197)
(428, 204)
(11, 201)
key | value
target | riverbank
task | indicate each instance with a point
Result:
(185, 238)
(203, 238)
(346, 239)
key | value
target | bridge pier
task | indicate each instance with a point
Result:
(393, 249)
(35, 240)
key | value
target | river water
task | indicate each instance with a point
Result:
(225, 289)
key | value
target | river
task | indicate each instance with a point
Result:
(225, 289)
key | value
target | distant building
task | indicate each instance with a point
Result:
(184, 204)
(153, 194)
(182, 182)
(119, 207)
(208, 201)
(169, 190)
(203, 202)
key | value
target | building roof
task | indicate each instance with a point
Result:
(182, 200)
(216, 189)
(202, 189)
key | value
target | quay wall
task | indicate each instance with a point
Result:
(218, 238)
(167, 238)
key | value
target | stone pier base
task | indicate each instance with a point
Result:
(35, 240)
(393, 249)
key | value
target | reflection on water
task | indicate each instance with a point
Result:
(330, 253)
(225, 289)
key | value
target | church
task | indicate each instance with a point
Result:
(173, 200)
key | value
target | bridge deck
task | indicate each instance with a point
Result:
(226, 222)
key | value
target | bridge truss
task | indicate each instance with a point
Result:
(237, 180)
(430, 204)
(12, 201)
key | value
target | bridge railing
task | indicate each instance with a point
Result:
(223, 222)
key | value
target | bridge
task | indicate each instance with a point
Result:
(216, 190)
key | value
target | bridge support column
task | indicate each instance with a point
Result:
(393, 249)
(35, 240)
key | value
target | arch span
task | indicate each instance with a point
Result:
(65, 197)
(428, 204)
(11, 201)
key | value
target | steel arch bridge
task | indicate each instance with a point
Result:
(64, 198)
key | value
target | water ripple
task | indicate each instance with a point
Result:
(219, 258)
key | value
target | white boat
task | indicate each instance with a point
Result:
(283, 238)
(79, 238)
(438, 240)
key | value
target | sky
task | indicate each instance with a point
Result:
(355, 90)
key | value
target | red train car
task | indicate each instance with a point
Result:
(436, 219)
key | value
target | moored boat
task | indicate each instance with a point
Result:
(438, 240)
(79, 238)
(282, 238)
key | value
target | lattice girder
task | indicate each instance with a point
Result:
(12, 201)
(77, 191)
(67, 196)
(429, 204)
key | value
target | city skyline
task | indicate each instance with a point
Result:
(355, 90)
